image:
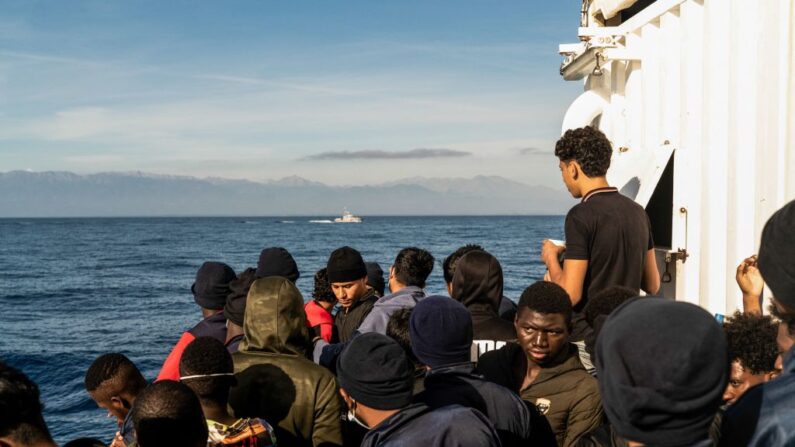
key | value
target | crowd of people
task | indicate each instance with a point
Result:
(581, 359)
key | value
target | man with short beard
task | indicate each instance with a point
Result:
(347, 275)
(544, 368)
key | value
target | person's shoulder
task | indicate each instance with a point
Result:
(504, 354)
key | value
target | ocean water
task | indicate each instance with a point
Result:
(72, 289)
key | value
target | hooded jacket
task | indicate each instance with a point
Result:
(276, 381)
(418, 425)
(564, 392)
(517, 424)
(477, 284)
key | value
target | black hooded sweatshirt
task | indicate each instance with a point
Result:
(477, 284)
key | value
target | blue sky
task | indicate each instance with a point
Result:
(347, 92)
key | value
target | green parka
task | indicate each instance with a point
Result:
(276, 381)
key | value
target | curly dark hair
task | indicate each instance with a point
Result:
(752, 341)
(546, 298)
(20, 408)
(168, 413)
(606, 301)
(448, 266)
(117, 370)
(206, 355)
(589, 147)
(322, 290)
(413, 266)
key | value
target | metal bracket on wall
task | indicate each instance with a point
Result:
(680, 254)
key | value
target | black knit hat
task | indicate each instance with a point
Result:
(345, 264)
(276, 261)
(663, 367)
(235, 309)
(776, 253)
(375, 371)
(375, 277)
(212, 285)
(441, 332)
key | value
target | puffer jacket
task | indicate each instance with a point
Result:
(477, 284)
(564, 392)
(276, 381)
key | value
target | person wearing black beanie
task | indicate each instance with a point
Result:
(376, 382)
(347, 275)
(375, 278)
(440, 329)
(775, 256)
(235, 308)
(662, 367)
(209, 291)
(277, 261)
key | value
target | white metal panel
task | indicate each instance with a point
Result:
(714, 78)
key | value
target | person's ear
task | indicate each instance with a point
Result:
(346, 397)
(574, 170)
(119, 404)
(391, 272)
(450, 288)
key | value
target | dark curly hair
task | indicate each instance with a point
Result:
(752, 341)
(606, 301)
(589, 147)
(448, 266)
(322, 290)
(206, 355)
(413, 266)
(546, 298)
(20, 408)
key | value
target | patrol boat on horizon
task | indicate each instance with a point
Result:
(347, 217)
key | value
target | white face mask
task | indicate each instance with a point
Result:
(352, 415)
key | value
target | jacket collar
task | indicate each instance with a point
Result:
(569, 361)
(408, 290)
(369, 295)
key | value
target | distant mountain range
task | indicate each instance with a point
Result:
(65, 194)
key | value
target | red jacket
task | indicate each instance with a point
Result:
(212, 326)
(316, 315)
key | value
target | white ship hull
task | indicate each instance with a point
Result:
(711, 82)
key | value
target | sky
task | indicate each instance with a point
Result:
(345, 92)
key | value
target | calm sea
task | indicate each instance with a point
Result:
(72, 289)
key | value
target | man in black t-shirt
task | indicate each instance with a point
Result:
(608, 236)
